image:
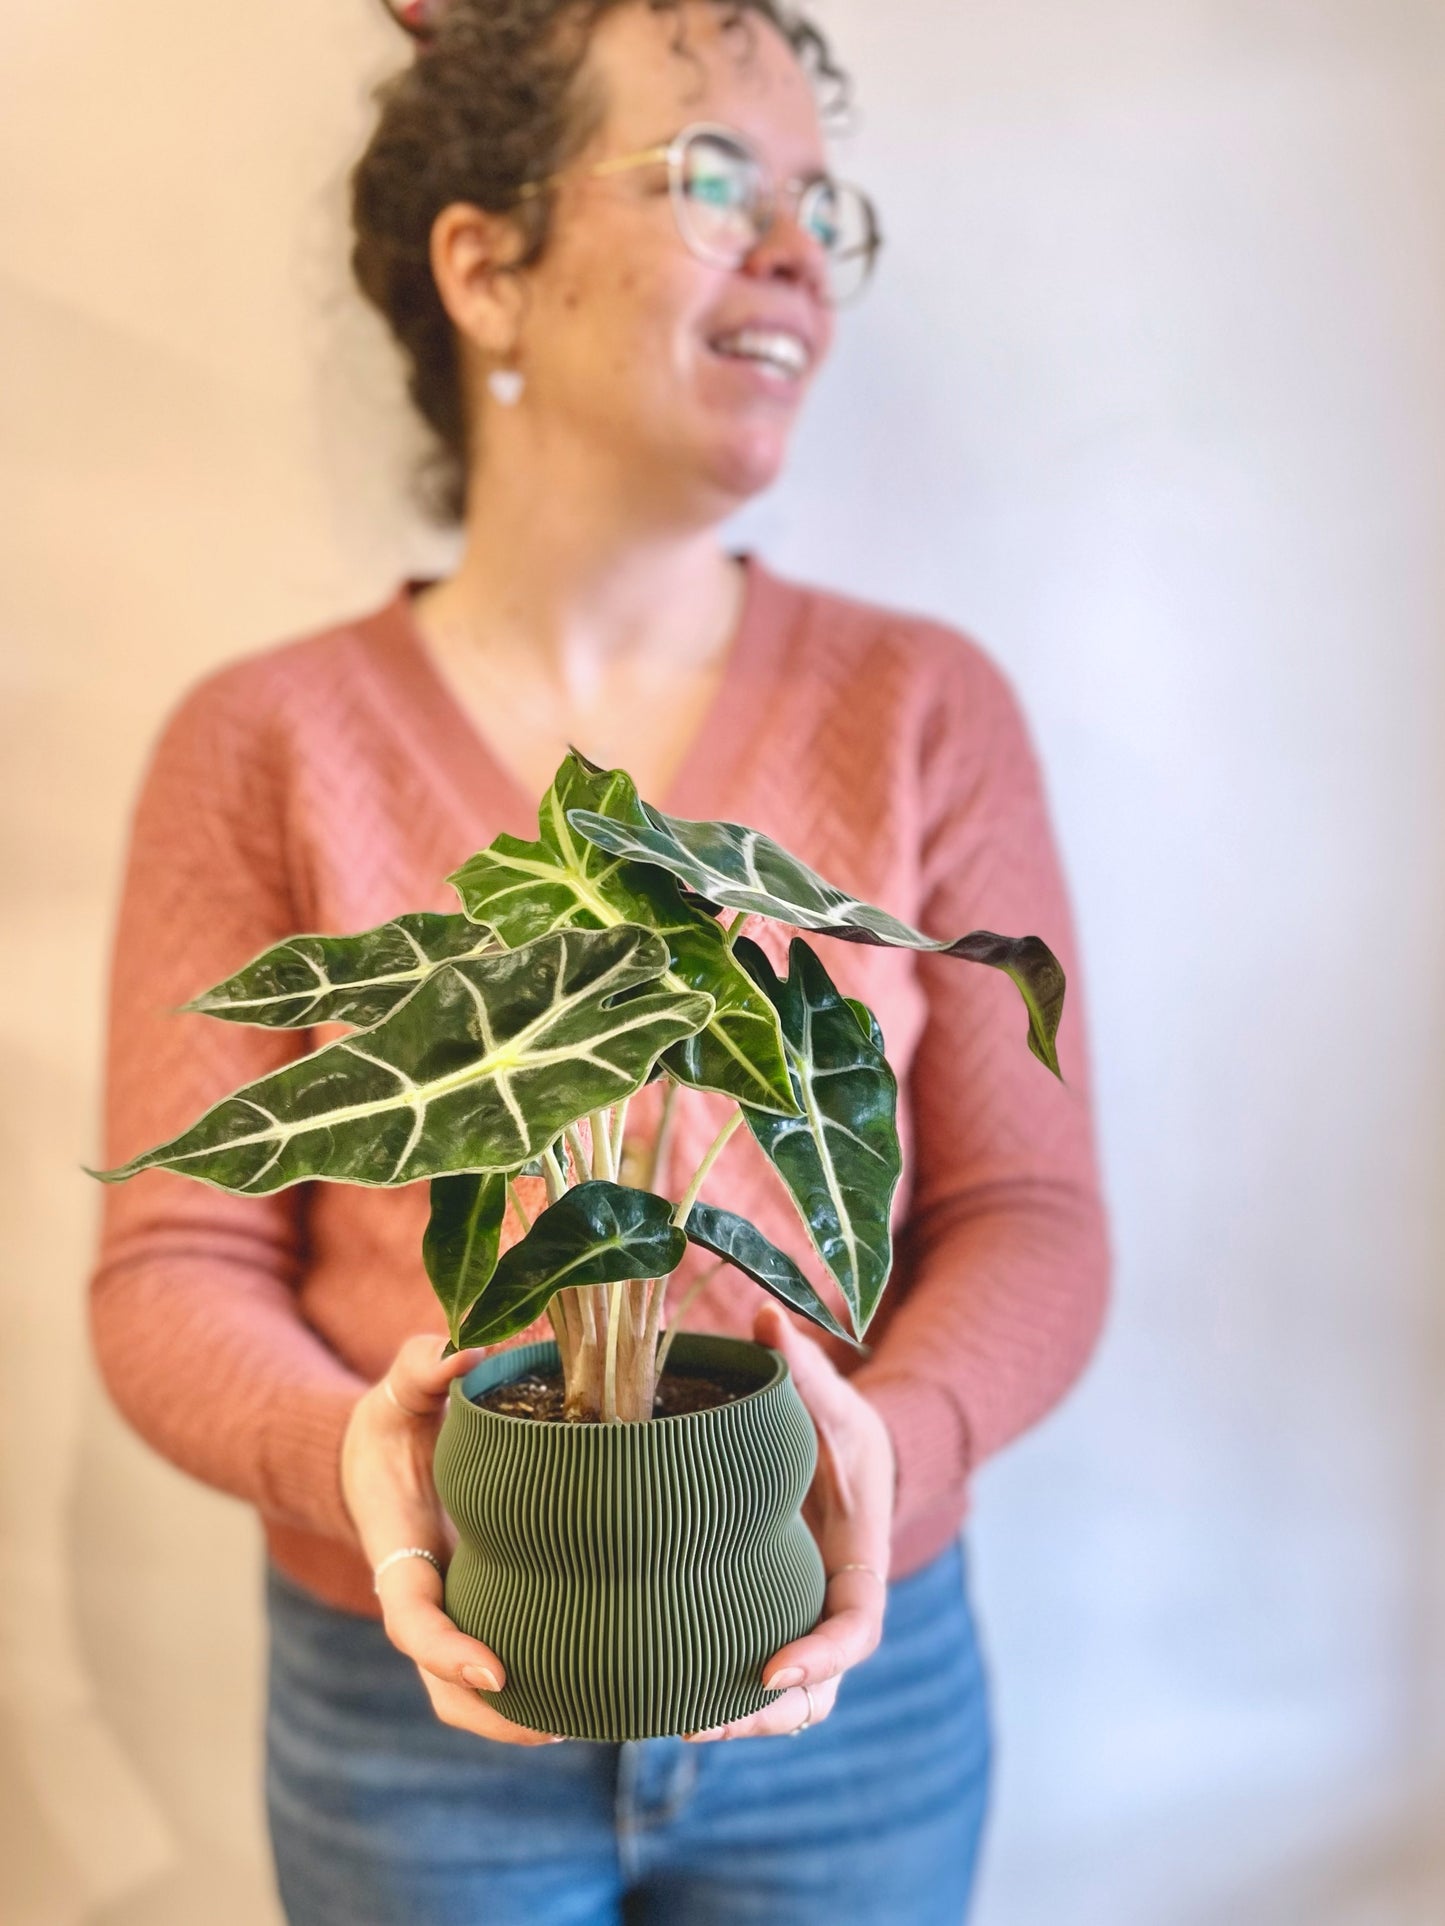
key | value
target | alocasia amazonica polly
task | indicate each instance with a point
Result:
(511, 1037)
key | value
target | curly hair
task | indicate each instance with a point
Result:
(491, 104)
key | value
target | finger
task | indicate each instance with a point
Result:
(812, 1369)
(840, 1640)
(420, 1376)
(771, 1327)
(411, 1608)
(831, 1401)
(455, 1706)
(392, 1496)
(784, 1715)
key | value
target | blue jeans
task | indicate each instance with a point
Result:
(381, 1816)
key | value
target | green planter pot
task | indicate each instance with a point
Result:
(633, 1578)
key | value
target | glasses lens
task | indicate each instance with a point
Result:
(719, 195)
(841, 220)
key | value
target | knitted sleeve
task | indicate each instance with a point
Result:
(1003, 1258)
(193, 1308)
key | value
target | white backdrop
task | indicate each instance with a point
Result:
(1149, 396)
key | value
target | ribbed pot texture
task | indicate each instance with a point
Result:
(633, 1578)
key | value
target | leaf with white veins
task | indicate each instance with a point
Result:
(599, 1233)
(742, 869)
(481, 1068)
(840, 1159)
(463, 1235)
(342, 979)
(562, 881)
(867, 1021)
(727, 1235)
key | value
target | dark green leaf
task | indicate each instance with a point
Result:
(871, 1027)
(522, 890)
(480, 1068)
(727, 1235)
(840, 1159)
(462, 1238)
(342, 979)
(599, 1233)
(742, 869)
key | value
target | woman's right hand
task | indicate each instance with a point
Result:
(386, 1481)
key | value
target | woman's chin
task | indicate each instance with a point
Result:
(744, 465)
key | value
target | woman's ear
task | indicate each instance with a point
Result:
(473, 254)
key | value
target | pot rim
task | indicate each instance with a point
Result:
(462, 1398)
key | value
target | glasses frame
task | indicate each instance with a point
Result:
(673, 155)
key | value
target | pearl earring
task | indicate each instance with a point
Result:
(505, 386)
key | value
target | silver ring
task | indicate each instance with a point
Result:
(396, 1557)
(798, 1730)
(872, 1571)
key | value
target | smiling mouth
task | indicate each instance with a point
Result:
(778, 349)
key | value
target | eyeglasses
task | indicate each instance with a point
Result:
(724, 200)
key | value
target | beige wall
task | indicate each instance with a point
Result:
(1150, 396)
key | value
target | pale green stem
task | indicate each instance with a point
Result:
(652, 1314)
(714, 1151)
(552, 1172)
(663, 1139)
(619, 1126)
(674, 1324)
(602, 1165)
(614, 1327)
(556, 1317)
(737, 925)
(587, 1306)
(523, 1219)
(581, 1162)
(566, 1304)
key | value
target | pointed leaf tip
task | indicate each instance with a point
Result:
(478, 1070)
(733, 1238)
(462, 1238)
(841, 1158)
(742, 869)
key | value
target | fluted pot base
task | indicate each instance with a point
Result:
(633, 1578)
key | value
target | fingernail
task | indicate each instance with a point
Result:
(780, 1681)
(480, 1679)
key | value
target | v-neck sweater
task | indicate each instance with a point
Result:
(334, 782)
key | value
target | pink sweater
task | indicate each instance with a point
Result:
(334, 782)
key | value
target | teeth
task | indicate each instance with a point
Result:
(773, 346)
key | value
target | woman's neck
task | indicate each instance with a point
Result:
(580, 596)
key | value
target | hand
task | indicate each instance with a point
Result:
(386, 1481)
(849, 1511)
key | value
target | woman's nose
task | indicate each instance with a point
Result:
(788, 252)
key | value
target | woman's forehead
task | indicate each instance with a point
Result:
(657, 70)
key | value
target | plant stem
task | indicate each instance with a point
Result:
(571, 1317)
(602, 1165)
(674, 1324)
(583, 1402)
(614, 1328)
(619, 1125)
(552, 1171)
(735, 928)
(714, 1151)
(663, 1141)
(641, 1362)
(581, 1162)
(522, 1216)
(557, 1318)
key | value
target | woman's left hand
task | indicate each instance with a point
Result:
(849, 1511)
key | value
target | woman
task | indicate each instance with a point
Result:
(606, 240)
